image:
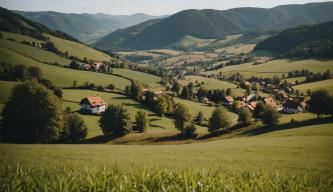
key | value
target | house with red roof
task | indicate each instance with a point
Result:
(93, 105)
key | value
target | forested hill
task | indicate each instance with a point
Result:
(15, 23)
(85, 27)
(307, 40)
(216, 24)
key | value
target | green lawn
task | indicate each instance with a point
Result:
(326, 84)
(63, 76)
(78, 50)
(294, 79)
(34, 52)
(297, 159)
(276, 67)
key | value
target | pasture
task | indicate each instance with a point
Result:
(325, 84)
(63, 76)
(276, 67)
(34, 53)
(79, 50)
(298, 159)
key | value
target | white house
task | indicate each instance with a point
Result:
(93, 105)
(294, 106)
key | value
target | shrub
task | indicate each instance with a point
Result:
(141, 121)
(33, 114)
(269, 115)
(218, 120)
(115, 120)
(244, 116)
(75, 128)
(190, 131)
(182, 117)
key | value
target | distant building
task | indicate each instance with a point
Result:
(204, 100)
(251, 106)
(93, 105)
(228, 100)
(297, 105)
(270, 101)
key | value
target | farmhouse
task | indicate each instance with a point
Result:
(270, 101)
(93, 105)
(297, 105)
(228, 100)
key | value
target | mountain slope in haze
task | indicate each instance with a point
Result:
(15, 23)
(308, 40)
(214, 24)
(86, 27)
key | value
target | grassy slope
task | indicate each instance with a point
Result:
(195, 107)
(78, 50)
(19, 37)
(277, 67)
(326, 84)
(63, 76)
(73, 97)
(34, 52)
(210, 83)
(302, 150)
(145, 78)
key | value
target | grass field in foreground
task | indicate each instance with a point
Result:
(326, 84)
(297, 159)
(63, 76)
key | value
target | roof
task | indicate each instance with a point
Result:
(93, 101)
(283, 94)
(270, 101)
(290, 103)
(229, 99)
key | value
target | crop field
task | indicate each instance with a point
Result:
(34, 52)
(293, 80)
(297, 159)
(78, 50)
(63, 76)
(325, 84)
(276, 67)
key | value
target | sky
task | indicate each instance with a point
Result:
(127, 7)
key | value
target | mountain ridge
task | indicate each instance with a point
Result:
(215, 24)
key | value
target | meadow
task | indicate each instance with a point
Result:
(79, 50)
(298, 159)
(63, 76)
(326, 84)
(276, 67)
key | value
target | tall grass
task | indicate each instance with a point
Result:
(23, 178)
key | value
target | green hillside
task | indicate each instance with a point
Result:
(12, 22)
(276, 67)
(85, 27)
(34, 52)
(297, 159)
(214, 24)
(308, 40)
(63, 76)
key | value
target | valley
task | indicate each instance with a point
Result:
(157, 107)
